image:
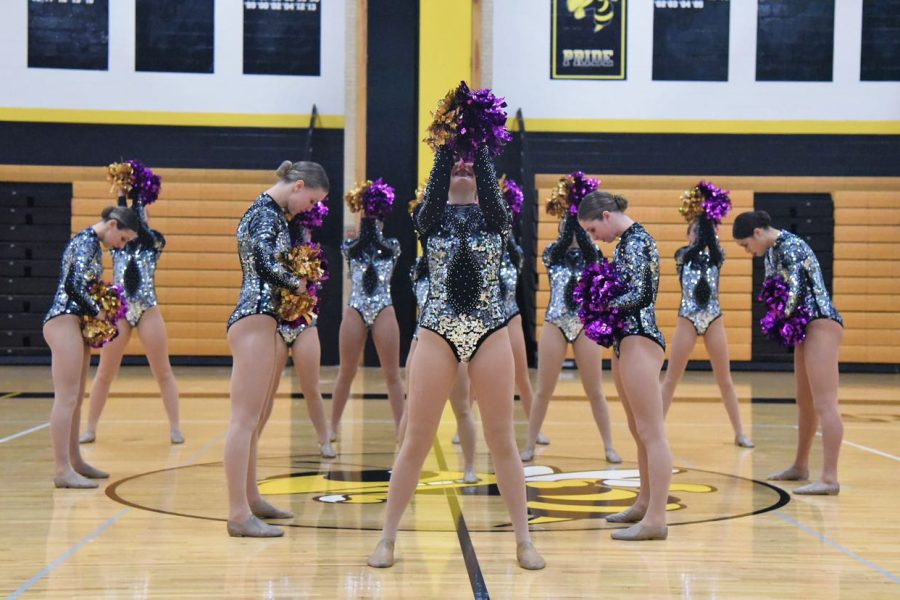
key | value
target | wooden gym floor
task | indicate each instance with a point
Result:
(156, 528)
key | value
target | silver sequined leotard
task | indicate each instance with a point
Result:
(262, 237)
(82, 263)
(794, 260)
(699, 279)
(464, 248)
(510, 267)
(371, 260)
(564, 267)
(288, 332)
(419, 278)
(637, 262)
(134, 267)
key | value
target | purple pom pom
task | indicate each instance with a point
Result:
(481, 122)
(314, 217)
(598, 285)
(580, 185)
(788, 330)
(716, 202)
(144, 183)
(378, 200)
(512, 193)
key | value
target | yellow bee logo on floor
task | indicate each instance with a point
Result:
(553, 495)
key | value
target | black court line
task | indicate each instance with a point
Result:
(476, 578)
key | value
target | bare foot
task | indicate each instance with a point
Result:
(253, 527)
(528, 557)
(792, 473)
(262, 509)
(74, 481)
(383, 556)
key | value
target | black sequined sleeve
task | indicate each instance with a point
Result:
(76, 283)
(149, 238)
(262, 231)
(589, 250)
(429, 213)
(490, 198)
(640, 291)
(556, 251)
(679, 259)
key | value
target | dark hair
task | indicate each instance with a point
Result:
(312, 174)
(746, 222)
(124, 217)
(596, 203)
(706, 239)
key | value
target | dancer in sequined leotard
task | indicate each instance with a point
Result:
(565, 259)
(70, 354)
(698, 266)
(134, 267)
(816, 357)
(262, 238)
(371, 259)
(463, 321)
(637, 361)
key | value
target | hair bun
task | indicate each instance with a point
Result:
(764, 218)
(284, 168)
(621, 203)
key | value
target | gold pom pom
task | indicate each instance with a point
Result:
(354, 198)
(415, 202)
(691, 204)
(304, 262)
(558, 203)
(98, 332)
(119, 176)
(295, 306)
(443, 127)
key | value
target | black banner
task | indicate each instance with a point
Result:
(794, 40)
(68, 34)
(880, 41)
(690, 40)
(282, 38)
(588, 39)
(174, 36)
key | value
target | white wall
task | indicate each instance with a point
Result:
(227, 90)
(521, 72)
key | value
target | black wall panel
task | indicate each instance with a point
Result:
(690, 41)
(174, 36)
(880, 41)
(795, 40)
(282, 40)
(66, 35)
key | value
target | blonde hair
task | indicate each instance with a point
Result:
(311, 173)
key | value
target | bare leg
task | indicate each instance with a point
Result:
(352, 339)
(252, 341)
(433, 371)
(589, 357)
(820, 354)
(152, 331)
(386, 335)
(81, 467)
(491, 373)
(465, 423)
(401, 430)
(680, 351)
(638, 508)
(110, 360)
(807, 422)
(717, 347)
(307, 353)
(640, 363)
(68, 350)
(551, 353)
(258, 506)
(520, 357)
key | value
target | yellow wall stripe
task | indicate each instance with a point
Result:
(445, 58)
(128, 117)
(707, 126)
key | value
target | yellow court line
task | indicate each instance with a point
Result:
(143, 117)
(758, 127)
